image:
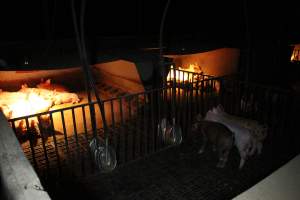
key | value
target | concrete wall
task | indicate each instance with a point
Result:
(71, 77)
(217, 62)
(120, 74)
(18, 178)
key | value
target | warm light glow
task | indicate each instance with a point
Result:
(183, 75)
(296, 53)
(31, 105)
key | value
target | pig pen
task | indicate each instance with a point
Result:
(147, 166)
(71, 124)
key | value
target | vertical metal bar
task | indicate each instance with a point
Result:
(65, 133)
(75, 132)
(30, 136)
(180, 85)
(190, 103)
(112, 114)
(197, 96)
(137, 128)
(90, 153)
(128, 132)
(84, 124)
(173, 101)
(202, 96)
(55, 144)
(113, 125)
(184, 105)
(159, 103)
(210, 100)
(121, 135)
(146, 137)
(153, 136)
(13, 126)
(43, 142)
(142, 127)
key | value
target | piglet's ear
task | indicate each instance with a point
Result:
(42, 80)
(24, 86)
(48, 81)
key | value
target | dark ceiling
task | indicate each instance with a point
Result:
(209, 20)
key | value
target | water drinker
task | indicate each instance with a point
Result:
(104, 155)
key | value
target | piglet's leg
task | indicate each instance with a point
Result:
(243, 159)
(203, 144)
(259, 148)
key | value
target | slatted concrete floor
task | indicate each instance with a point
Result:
(176, 173)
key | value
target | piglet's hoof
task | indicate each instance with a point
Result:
(200, 151)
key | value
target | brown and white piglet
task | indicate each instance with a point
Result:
(219, 136)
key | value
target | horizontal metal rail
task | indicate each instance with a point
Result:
(134, 121)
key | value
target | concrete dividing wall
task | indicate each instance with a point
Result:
(18, 179)
(218, 62)
(120, 74)
(72, 78)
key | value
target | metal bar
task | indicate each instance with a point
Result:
(55, 144)
(153, 136)
(174, 94)
(146, 138)
(13, 125)
(81, 105)
(184, 105)
(136, 129)
(113, 124)
(128, 132)
(197, 96)
(112, 114)
(43, 142)
(141, 135)
(90, 154)
(121, 135)
(75, 132)
(65, 133)
(202, 97)
(190, 104)
(84, 124)
(66, 138)
(30, 135)
(159, 101)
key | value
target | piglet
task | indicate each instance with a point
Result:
(218, 135)
(259, 131)
(65, 97)
(243, 139)
(51, 86)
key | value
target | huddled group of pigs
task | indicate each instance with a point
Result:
(224, 131)
(28, 101)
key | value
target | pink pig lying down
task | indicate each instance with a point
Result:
(56, 97)
(244, 140)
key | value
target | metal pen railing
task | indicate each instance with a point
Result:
(59, 144)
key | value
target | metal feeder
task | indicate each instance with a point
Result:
(104, 155)
(171, 134)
